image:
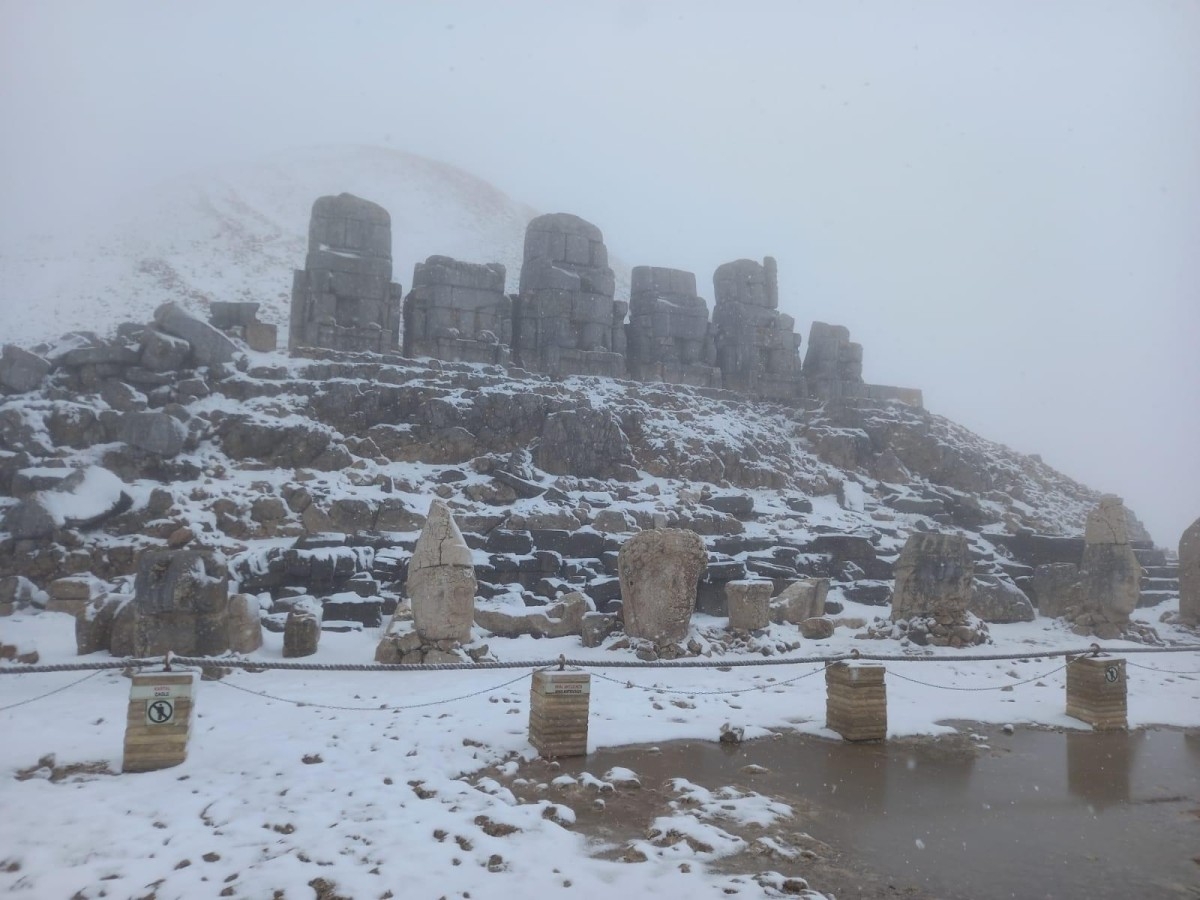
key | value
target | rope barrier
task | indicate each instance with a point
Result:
(989, 687)
(738, 690)
(58, 690)
(210, 662)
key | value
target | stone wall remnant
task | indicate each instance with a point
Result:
(565, 321)
(833, 363)
(668, 336)
(757, 348)
(1109, 575)
(458, 311)
(748, 603)
(659, 571)
(344, 297)
(441, 580)
(1189, 574)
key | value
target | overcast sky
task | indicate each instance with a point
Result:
(1001, 200)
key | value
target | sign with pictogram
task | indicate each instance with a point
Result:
(160, 712)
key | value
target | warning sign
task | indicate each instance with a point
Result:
(1111, 674)
(160, 712)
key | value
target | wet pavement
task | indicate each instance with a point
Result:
(979, 814)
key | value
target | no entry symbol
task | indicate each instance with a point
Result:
(1111, 674)
(160, 712)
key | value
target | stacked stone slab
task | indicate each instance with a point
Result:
(856, 701)
(458, 311)
(1097, 692)
(558, 713)
(565, 321)
(669, 337)
(833, 363)
(158, 721)
(1189, 575)
(757, 348)
(344, 297)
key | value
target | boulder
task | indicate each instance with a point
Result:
(800, 600)
(996, 599)
(559, 619)
(441, 579)
(817, 628)
(595, 627)
(748, 603)
(20, 370)
(301, 632)
(1053, 584)
(162, 352)
(17, 592)
(1189, 575)
(585, 442)
(659, 571)
(30, 520)
(181, 600)
(209, 346)
(933, 578)
(154, 432)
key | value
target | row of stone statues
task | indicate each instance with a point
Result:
(565, 319)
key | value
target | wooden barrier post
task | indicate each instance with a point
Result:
(856, 701)
(1097, 692)
(558, 712)
(159, 720)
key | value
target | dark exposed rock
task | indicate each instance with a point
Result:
(154, 432)
(833, 364)
(208, 346)
(180, 600)
(585, 442)
(20, 370)
(996, 599)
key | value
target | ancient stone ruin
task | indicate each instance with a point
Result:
(1189, 575)
(833, 363)
(669, 338)
(181, 600)
(659, 570)
(566, 321)
(458, 311)
(933, 587)
(757, 348)
(1109, 574)
(344, 297)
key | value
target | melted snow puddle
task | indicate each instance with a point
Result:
(1033, 814)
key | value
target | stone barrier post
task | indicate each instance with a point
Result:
(159, 720)
(1097, 692)
(558, 712)
(856, 701)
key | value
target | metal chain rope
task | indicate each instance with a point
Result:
(990, 687)
(57, 690)
(382, 708)
(1165, 671)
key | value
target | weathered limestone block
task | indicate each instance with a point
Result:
(158, 721)
(757, 348)
(933, 578)
(208, 346)
(563, 617)
(344, 297)
(998, 600)
(565, 321)
(20, 370)
(659, 571)
(833, 364)
(94, 625)
(162, 352)
(301, 632)
(458, 311)
(585, 442)
(800, 600)
(748, 603)
(245, 624)
(154, 432)
(856, 701)
(181, 600)
(668, 336)
(30, 520)
(1110, 575)
(1189, 575)
(1107, 523)
(441, 579)
(18, 592)
(1053, 584)
(818, 628)
(74, 593)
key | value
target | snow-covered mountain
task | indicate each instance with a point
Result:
(237, 231)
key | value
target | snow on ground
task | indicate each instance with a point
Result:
(366, 787)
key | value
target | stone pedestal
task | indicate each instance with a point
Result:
(159, 720)
(1096, 692)
(749, 605)
(558, 713)
(856, 701)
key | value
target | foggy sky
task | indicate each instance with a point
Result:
(1000, 200)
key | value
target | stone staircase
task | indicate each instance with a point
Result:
(1160, 576)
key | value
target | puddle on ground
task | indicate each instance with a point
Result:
(978, 814)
